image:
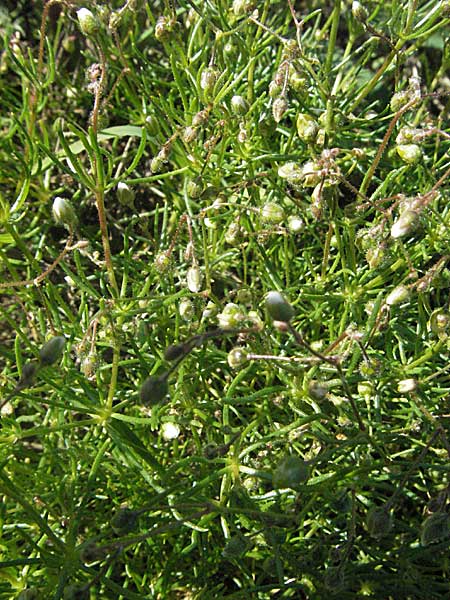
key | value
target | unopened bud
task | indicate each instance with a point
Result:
(64, 213)
(52, 350)
(208, 79)
(307, 128)
(397, 296)
(154, 390)
(279, 107)
(125, 194)
(406, 386)
(186, 309)
(88, 23)
(236, 358)
(278, 307)
(359, 12)
(231, 317)
(194, 279)
(409, 153)
(239, 105)
(405, 224)
(272, 212)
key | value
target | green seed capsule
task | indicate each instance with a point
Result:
(52, 350)
(291, 472)
(278, 307)
(154, 390)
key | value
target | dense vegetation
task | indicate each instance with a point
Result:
(224, 299)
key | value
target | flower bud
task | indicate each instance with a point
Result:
(186, 309)
(278, 307)
(291, 472)
(164, 28)
(64, 213)
(156, 164)
(405, 224)
(236, 358)
(162, 262)
(239, 105)
(439, 322)
(194, 188)
(406, 386)
(272, 212)
(307, 128)
(231, 317)
(52, 350)
(359, 12)
(175, 351)
(208, 79)
(279, 107)
(409, 153)
(311, 174)
(296, 81)
(295, 224)
(242, 7)
(125, 194)
(88, 23)
(397, 296)
(189, 134)
(435, 528)
(399, 99)
(194, 279)
(154, 390)
(275, 89)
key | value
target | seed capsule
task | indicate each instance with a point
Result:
(154, 390)
(278, 307)
(52, 350)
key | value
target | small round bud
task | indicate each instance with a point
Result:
(125, 194)
(189, 134)
(88, 23)
(278, 307)
(397, 296)
(291, 472)
(406, 386)
(359, 12)
(64, 213)
(52, 350)
(297, 82)
(376, 256)
(154, 390)
(175, 351)
(399, 99)
(194, 188)
(170, 431)
(156, 164)
(163, 28)
(272, 212)
(200, 118)
(162, 262)
(239, 105)
(208, 79)
(293, 173)
(124, 521)
(275, 89)
(311, 175)
(29, 371)
(233, 233)
(231, 317)
(409, 153)
(236, 358)
(435, 528)
(242, 7)
(255, 320)
(307, 128)
(295, 224)
(405, 224)
(378, 522)
(186, 309)
(440, 322)
(194, 279)
(279, 107)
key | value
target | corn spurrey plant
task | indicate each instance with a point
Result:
(224, 244)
